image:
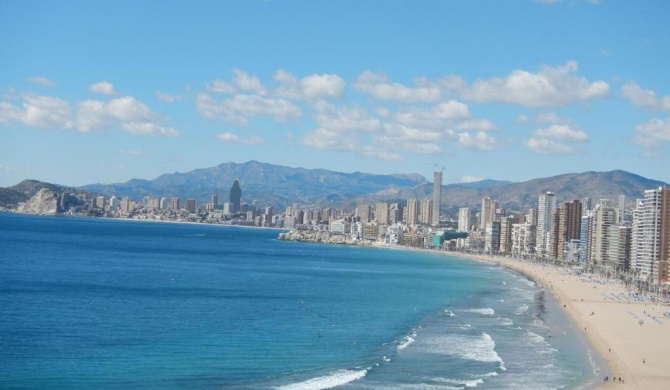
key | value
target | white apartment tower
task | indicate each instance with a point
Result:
(464, 217)
(413, 211)
(437, 197)
(545, 209)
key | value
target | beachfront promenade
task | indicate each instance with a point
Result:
(630, 332)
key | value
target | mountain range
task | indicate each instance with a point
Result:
(279, 186)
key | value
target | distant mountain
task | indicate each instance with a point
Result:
(267, 184)
(37, 197)
(279, 186)
(521, 196)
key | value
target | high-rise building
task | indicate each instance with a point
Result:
(523, 239)
(622, 208)
(567, 228)
(214, 201)
(464, 217)
(650, 241)
(506, 225)
(492, 237)
(236, 196)
(413, 211)
(586, 205)
(584, 235)
(545, 210)
(382, 213)
(363, 211)
(437, 197)
(426, 212)
(485, 214)
(174, 204)
(190, 205)
(396, 213)
(604, 235)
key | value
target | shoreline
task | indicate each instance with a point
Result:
(609, 321)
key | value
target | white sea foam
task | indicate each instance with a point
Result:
(405, 342)
(521, 309)
(461, 382)
(334, 379)
(486, 311)
(504, 283)
(506, 321)
(535, 338)
(449, 313)
(479, 348)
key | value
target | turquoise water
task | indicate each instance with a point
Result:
(91, 303)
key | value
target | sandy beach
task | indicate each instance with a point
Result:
(631, 336)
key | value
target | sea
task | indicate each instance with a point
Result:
(90, 303)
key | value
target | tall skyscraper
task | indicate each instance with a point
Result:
(650, 241)
(545, 210)
(426, 212)
(382, 213)
(604, 235)
(437, 197)
(464, 217)
(235, 196)
(363, 211)
(413, 211)
(622, 207)
(485, 214)
(567, 228)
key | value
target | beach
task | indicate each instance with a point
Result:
(632, 336)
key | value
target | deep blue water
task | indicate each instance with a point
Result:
(91, 303)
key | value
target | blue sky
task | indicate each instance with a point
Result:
(94, 91)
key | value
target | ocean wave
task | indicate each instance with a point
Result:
(506, 321)
(449, 313)
(535, 338)
(479, 348)
(334, 379)
(521, 309)
(486, 311)
(461, 382)
(405, 342)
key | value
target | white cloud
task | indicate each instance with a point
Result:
(322, 86)
(128, 113)
(234, 138)
(476, 124)
(522, 119)
(644, 98)
(38, 111)
(103, 88)
(309, 88)
(470, 179)
(400, 133)
(168, 98)
(148, 128)
(378, 87)
(479, 141)
(435, 116)
(549, 117)
(562, 132)
(345, 118)
(133, 152)
(557, 139)
(42, 81)
(550, 87)
(247, 82)
(238, 108)
(327, 139)
(653, 134)
(220, 86)
(547, 146)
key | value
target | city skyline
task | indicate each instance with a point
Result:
(514, 91)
